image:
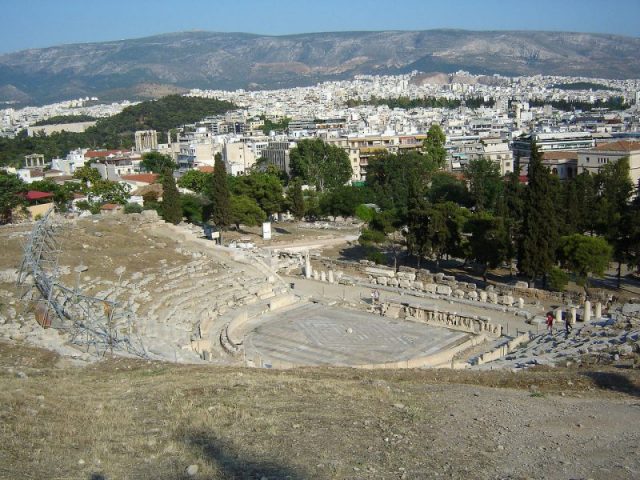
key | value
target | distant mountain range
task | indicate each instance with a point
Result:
(153, 66)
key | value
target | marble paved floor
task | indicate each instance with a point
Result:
(315, 334)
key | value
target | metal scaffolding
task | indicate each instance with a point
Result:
(97, 324)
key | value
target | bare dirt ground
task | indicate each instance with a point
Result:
(126, 419)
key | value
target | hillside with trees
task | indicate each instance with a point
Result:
(117, 131)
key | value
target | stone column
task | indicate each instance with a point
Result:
(598, 314)
(331, 280)
(323, 276)
(316, 275)
(587, 312)
(521, 303)
(307, 266)
(483, 296)
(558, 315)
(573, 315)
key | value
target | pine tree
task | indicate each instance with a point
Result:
(219, 195)
(297, 200)
(171, 208)
(539, 238)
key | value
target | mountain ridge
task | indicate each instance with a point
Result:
(203, 59)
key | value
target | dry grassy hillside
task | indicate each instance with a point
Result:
(124, 419)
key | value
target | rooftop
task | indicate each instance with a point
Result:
(141, 177)
(619, 146)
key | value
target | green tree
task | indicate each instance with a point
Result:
(219, 195)
(87, 175)
(150, 201)
(435, 230)
(296, 199)
(397, 181)
(485, 183)
(612, 205)
(105, 191)
(171, 208)
(489, 244)
(365, 213)
(342, 201)
(585, 255)
(537, 248)
(132, 208)
(195, 180)
(246, 211)
(447, 188)
(192, 206)
(558, 279)
(266, 189)
(157, 162)
(320, 164)
(434, 146)
(10, 189)
(312, 205)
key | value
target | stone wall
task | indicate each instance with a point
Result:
(454, 321)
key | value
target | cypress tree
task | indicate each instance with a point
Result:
(171, 208)
(220, 196)
(537, 249)
(297, 200)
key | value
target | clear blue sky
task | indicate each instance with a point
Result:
(42, 23)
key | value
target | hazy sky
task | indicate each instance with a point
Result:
(41, 23)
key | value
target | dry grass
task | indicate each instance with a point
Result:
(124, 418)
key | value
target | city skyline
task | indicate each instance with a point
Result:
(40, 24)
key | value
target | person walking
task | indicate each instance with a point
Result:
(567, 325)
(550, 322)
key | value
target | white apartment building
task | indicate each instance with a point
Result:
(238, 157)
(495, 149)
(594, 159)
(68, 165)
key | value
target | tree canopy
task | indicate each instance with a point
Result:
(10, 189)
(157, 162)
(585, 255)
(320, 164)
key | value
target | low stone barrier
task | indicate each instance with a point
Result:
(451, 320)
(503, 350)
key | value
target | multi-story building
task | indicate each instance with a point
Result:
(238, 157)
(361, 148)
(563, 165)
(112, 164)
(593, 159)
(549, 142)
(492, 148)
(277, 153)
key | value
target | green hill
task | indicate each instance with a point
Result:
(117, 131)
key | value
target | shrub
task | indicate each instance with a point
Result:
(557, 279)
(132, 208)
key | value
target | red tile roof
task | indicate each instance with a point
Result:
(36, 195)
(206, 169)
(141, 177)
(110, 206)
(619, 146)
